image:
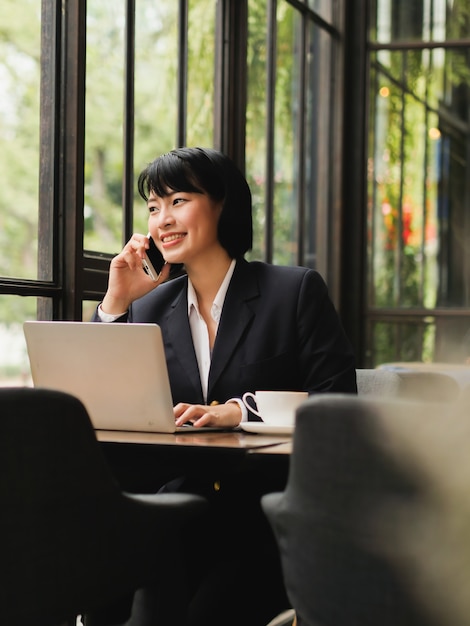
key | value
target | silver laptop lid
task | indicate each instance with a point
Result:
(117, 370)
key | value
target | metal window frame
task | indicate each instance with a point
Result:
(68, 273)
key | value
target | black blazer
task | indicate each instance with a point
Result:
(278, 330)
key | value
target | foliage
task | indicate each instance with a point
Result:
(156, 103)
(19, 139)
(201, 69)
(400, 163)
(286, 91)
(256, 119)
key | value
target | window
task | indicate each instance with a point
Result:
(94, 91)
(290, 131)
(418, 192)
(134, 111)
(20, 73)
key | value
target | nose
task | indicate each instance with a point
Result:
(165, 217)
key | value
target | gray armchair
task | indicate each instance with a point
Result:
(413, 384)
(377, 382)
(336, 549)
(71, 540)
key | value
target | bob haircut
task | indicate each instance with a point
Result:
(206, 171)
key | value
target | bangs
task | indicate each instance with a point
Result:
(166, 175)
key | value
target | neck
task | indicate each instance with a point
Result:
(207, 278)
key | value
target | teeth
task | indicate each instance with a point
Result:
(172, 238)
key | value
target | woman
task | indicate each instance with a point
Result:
(229, 326)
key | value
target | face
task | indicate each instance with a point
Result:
(184, 225)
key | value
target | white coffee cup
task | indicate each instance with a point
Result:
(275, 407)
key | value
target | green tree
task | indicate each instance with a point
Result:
(19, 137)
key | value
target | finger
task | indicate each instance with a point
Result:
(132, 259)
(137, 244)
(180, 408)
(204, 420)
(192, 413)
(165, 273)
(184, 416)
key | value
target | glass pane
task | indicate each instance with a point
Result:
(286, 134)
(256, 121)
(452, 141)
(324, 8)
(412, 203)
(430, 240)
(318, 173)
(445, 340)
(14, 363)
(419, 226)
(201, 58)
(20, 46)
(104, 125)
(403, 341)
(88, 309)
(419, 20)
(156, 88)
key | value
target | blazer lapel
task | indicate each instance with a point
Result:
(180, 340)
(239, 309)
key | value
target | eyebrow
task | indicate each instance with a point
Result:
(153, 196)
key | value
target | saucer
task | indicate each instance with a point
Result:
(262, 428)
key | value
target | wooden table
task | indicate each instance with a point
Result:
(144, 461)
(228, 440)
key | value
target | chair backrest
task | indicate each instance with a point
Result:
(464, 398)
(334, 547)
(437, 382)
(70, 540)
(413, 384)
(428, 386)
(377, 382)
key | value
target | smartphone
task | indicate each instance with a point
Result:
(153, 260)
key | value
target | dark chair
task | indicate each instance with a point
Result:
(334, 540)
(71, 540)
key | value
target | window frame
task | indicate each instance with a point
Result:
(69, 275)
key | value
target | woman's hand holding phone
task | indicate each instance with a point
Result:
(128, 280)
(153, 261)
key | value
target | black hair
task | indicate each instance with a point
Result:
(204, 170)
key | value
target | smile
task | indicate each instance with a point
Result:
(172, 238)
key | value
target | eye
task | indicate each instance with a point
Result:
(153, 209)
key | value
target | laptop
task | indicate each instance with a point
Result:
(117, 370)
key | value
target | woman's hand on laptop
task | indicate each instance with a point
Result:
(127, 280)
(228, 414)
